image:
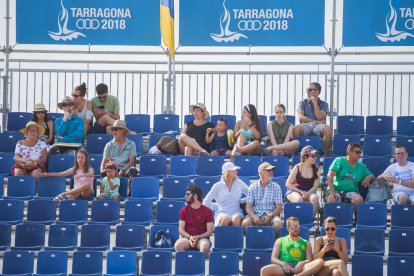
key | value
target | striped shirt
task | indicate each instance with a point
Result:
(264, 202)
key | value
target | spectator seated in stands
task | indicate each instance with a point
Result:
(110, 183)
(192, 140)
(292, 254)
(105, 109)
(40, 117)
(333, 250)
(345, 173)
(84, 109)
(122, 151)
(401, 175)
(30, 154)
(220, 139)
(303, 181)
(264, 201)
(279, 133)
(83, 177)
(248, 132)
(227, 193)
(195, 223)
(69, 128)
(312, 115)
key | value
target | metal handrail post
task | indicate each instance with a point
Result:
(332, 53)
(5, 77)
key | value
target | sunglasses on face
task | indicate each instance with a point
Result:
(187, 194)
(312, 155)
(310, 89)
(74, 95)
(103, 97)
(116, 129)
(294, 227)
(268, 170)
(40, 112)
(400, 153)
(67, 105)
(357, 151)
(330, 228)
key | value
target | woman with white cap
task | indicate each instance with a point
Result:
(227, 193)
(40, 116)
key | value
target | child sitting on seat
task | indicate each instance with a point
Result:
(110, 183)
(221, 142)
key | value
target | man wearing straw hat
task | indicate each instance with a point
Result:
(69, 128)
(122, 151)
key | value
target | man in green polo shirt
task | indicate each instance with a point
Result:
(292, 254)
(105, 108)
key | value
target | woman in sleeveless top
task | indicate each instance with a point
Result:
(84, 109)
(335, 255)
(248, 133)
(304, 180)
(40, 116)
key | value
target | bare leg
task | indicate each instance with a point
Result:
(326, 134)
(272, 270)
(402, 199)
(186, 141)
(314, 199)
(18, 171)
(116, 198)
(228, 153)
(224, 220)
(106, 120)
(215, 153)
(204, 246)
(251, 149)
(332, 265)
(182, 244)
(84, 190)
(288, 148)
(246, 223)
(236, 220)
(312, 267)
(277, 224)
(87, 130)
(190, 152)
(34, 172)
(297, 131)
(355, 201)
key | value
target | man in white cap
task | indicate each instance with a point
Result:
(264, 201)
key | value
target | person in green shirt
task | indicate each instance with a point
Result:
(292, 254)
(344, 175)
(105, 108)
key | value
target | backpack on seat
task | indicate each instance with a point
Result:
(168, 145)
(162, 240)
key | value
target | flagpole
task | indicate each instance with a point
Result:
(169, 111)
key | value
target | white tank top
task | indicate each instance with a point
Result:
(84, 110)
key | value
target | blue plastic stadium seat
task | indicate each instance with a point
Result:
(73, 212)
(21, 187)
(168, 212)
(282, 184)
(254, 261)
(166, 122)
(297, 160)
(97, 142)
(376, 166)
(52, 263)
(263, 121)
(153, 166)
(223, 263)
(139, 123)
(154, 137)
(340, 144)
(5, 236)
(280, 162)
(137, 139)
(407, 142)
(87, 263)
(400, 265)
(6, 164)
(53, 116)
(405, 126)
(41, 211)
(171, 230)
(94, 190)
(18, 263)
(63, 237)
(121, 263)
(231, 120)
(304, 232)
(372, 215)
(105, 212)
(228, 238)
(18, 120)
(367, 265)
(248, 166)
(95, 161)
(401, 242)
(50, 187)
(162, 259)
(379, 125)
(30, 237)
(129, 237)
(259, 239)
(12, 211)
(290, 118)
(8, 141)
(190, 117)
(343, 212)
(206, 183)
(302, 210)
(327, 162)
(123, 188)
(377, 146)
(402, 217)
(190, 263)
(183, 166)
(314, 141)
(209, 166)
(60, 163)
(145, 188)
(344, 233)
(95, 237)
(369, 241)
(174, 188)
(351, 125)
(138, 212)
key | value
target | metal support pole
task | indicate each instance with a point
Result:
(332, 53)
(167, 108)
(7, 49)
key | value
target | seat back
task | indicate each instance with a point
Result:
(137, 139)
(145, 187)
(21, 186)
(405, 126)
(8, 140)
(400, 265)
(53, 116)
(280, 162)
(377, 146)
(248, 165)
(41, 210)
(253, 262)
(123, 187)
(367, 265)
(163, 260)
(190, 263)
(18, 120)
(138, 212)
(171, 230)
(407, 142)
(327, 162)
(401, 242)
(302, 210)
(290, 118)
(169, 211)
(121, 262)
(304, 232)
(228, 237)
(130, 235)
(52, 262)
(263, 121)
(175, 187)
(372, 215)
(153, 165)
(340, 144)
(343, 212)
(105, 210)
(61, 162)
(402, 216)
(379, 125)
(314, 141)
(375, 165)
(369, 241)
(18, 262)
(73, 210)
(351, 125)
(12, 210)
(50, 187)
(6, 163)
(344, 233)
(30, 235)
(166, 122)
(140, 123)
(95, 161)
(95, 235)
(87, 262)
(209, 166)
(231, 120)
(282, 184)
(206, 183)
(183, 166)
(97, 142)
(5, 235)
(260, 237)
(63, 235)
(224, 263)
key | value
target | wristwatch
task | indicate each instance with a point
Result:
(252, 124)
(189, 236)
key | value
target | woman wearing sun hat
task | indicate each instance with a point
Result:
(30, 153)
(40, 116)
(192, 140)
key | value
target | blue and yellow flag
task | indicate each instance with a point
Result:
(167, 24)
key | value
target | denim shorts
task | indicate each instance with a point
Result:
(312, 128)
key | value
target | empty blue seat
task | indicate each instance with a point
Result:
(379, 125)
(95, 161)
(162, 259)
(343, 212)
(12, 211)
(137, 139)
(259, 239)
(105, 212)
(206, 183)
(297, 160)
(369, 241)
(6, 164)
(62, 237)
(153, 166)
(367, 265)
(407, 142)
(228, 238)
(400, 265)
(129, 237)
(372, 215)
(327, 162)
(21, 187)
(344, 233)
(183, 166)
(209, 166)
(8, 141)
(168, 212)
(351, 125)
(139, 123)
(263, 121)
(123, 188)
(304, 232)
(282, 184)
(73, 212)
(314, 141)
(174, 188)
(95, 237)
(18, 263)
(402, 217)
(154, 137)
(138, 212)
(97, 142)
(302, 210)
(52, 263)
(376, 166)
(166, 122)
(5, 236)
(223, 263)
(253, 262)
(30, 237)
(60, 163)
(340, 144)
(122, 263)
(190, 117)
(189, 263)
(50, 187)
(41, 211)
(280, 162)
(405, 126)
(171, 230)
(87, 263)
(248, 166)
(290, 118)
(231, 120)
(377, 146)
(18, 120)
(145, 188)
(401, 242)
(85, 198)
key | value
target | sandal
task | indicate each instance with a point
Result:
(234, 152)
(58, 198)
(203, 153)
